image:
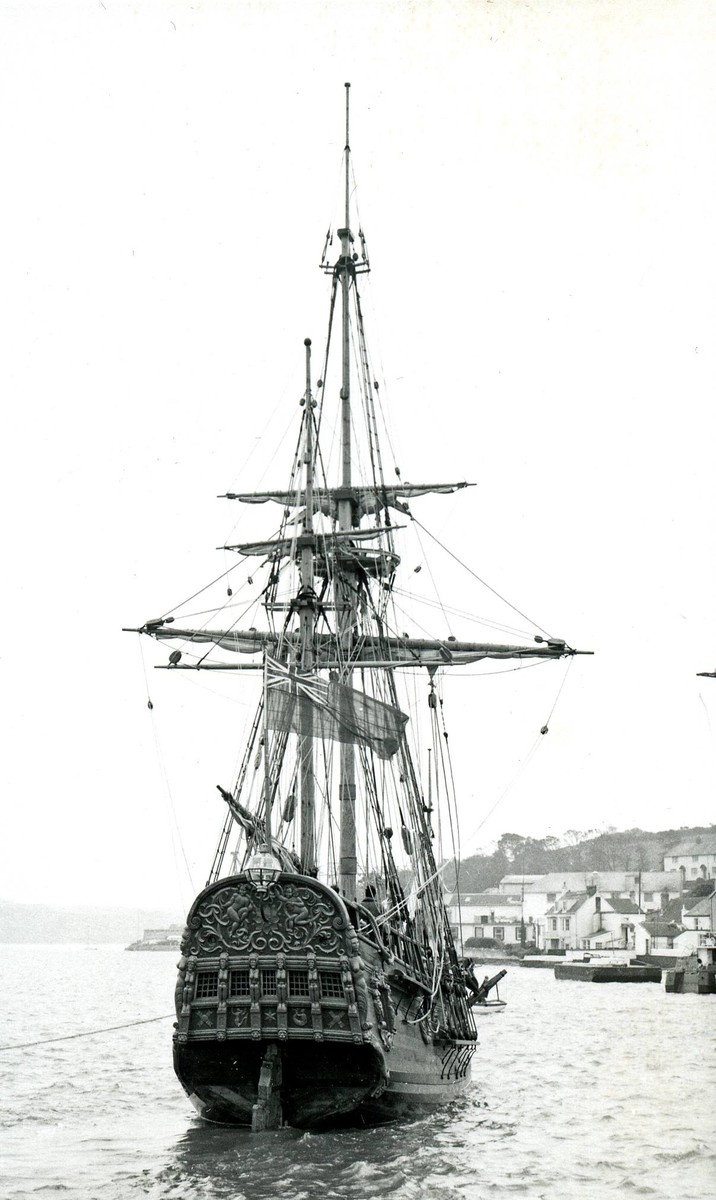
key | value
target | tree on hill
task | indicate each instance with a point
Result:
(610, 850)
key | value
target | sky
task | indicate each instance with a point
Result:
(537, 187)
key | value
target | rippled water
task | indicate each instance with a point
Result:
(581, 1090)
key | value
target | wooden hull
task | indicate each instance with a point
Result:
(290, 1011)
(321, 1086)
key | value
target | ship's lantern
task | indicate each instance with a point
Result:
(263, 869)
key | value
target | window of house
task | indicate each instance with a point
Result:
(484, 919)
(566, 922)
(648, 897)
(551, 897)
(498, 933)
(554, 922)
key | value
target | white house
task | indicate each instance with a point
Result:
(648, 890)
(701, 915)
(489, 915)
(694, 859)
(588, 921)
(686, 924)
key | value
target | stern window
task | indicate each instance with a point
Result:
(331, 985)
(239, 983)
(298, 983)
(268, 982)
(207, 985)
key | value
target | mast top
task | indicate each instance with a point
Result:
(348, 154)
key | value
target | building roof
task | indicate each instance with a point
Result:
(483, 900)
(702, 906)
(518, 880)
(672, 911)
(623, 906)
(659, 928)
(701, 843)
(572, 901)
(604, 881)
(568, 903)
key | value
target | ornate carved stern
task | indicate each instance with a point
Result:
(279, 971)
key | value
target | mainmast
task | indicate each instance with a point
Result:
(345, 276)
(345, 599)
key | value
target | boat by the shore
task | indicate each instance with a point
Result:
(695, 974)
(615, 972)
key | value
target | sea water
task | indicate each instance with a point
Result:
(579, 1090)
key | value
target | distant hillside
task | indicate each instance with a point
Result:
(22, 923)
(630, 850)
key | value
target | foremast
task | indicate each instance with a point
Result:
(306, 603)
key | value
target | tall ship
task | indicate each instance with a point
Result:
(319, 980)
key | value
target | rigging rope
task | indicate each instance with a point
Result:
(165, 778)
(530, 755)
(201, 589)
(67, 1037)
(478, 578)
(460, 612)
(502, 795)
(435, 586)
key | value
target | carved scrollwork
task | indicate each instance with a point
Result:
(290, 917)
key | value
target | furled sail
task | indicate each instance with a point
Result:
(368, 651)
(282, 547)
(367, 500)
(332, 711)
(332, 550)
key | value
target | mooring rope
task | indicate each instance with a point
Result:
(88, 1033)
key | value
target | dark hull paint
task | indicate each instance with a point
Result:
(322, 1086)
(294, 1003)
(318, 1083)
